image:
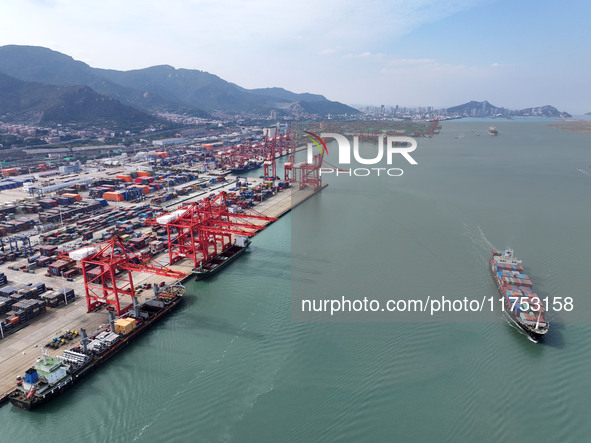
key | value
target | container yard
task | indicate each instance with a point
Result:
(81, 244)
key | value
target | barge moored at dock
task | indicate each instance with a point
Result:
(51, 376)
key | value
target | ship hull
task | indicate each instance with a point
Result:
(18, 398)
(534, 336)
(219, 262)
(21, 402)
(244, 169)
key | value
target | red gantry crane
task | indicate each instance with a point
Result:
(279, 144)
(107, 272)
(309, 173)
(204, 229)
(269, 166)
(290, 144)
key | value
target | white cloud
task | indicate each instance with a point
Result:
(148, 29)
(364, 55)
(344, 49)
(328, 51)
(394, 62)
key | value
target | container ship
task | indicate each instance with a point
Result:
(252, 164)
(51, 376)
(523, 307)
(492, 131)
(220, 261)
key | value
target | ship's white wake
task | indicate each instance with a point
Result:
(485, 240)
(478, 238)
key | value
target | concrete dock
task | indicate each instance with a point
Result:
(19, 350)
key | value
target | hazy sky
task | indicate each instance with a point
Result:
(513, 53)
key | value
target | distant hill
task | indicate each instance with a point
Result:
(36, 103)
(543, 111)
(485, 109)
(160, 88)
(207, 91)
(42, 65)
(284, 94)
(478, 109)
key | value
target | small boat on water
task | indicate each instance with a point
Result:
(492, 131)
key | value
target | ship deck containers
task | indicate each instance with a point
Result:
(124, 325)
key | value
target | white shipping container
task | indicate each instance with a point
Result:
(165, 219)
(81, 253)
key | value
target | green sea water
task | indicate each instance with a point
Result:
(234, 363)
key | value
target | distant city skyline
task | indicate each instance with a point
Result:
(398, 52)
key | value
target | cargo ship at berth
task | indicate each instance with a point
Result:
(252, 164)
(220, 261)
(51, 376)
(523, 307)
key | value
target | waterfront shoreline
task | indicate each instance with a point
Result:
(24, 346)
(579, 126)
